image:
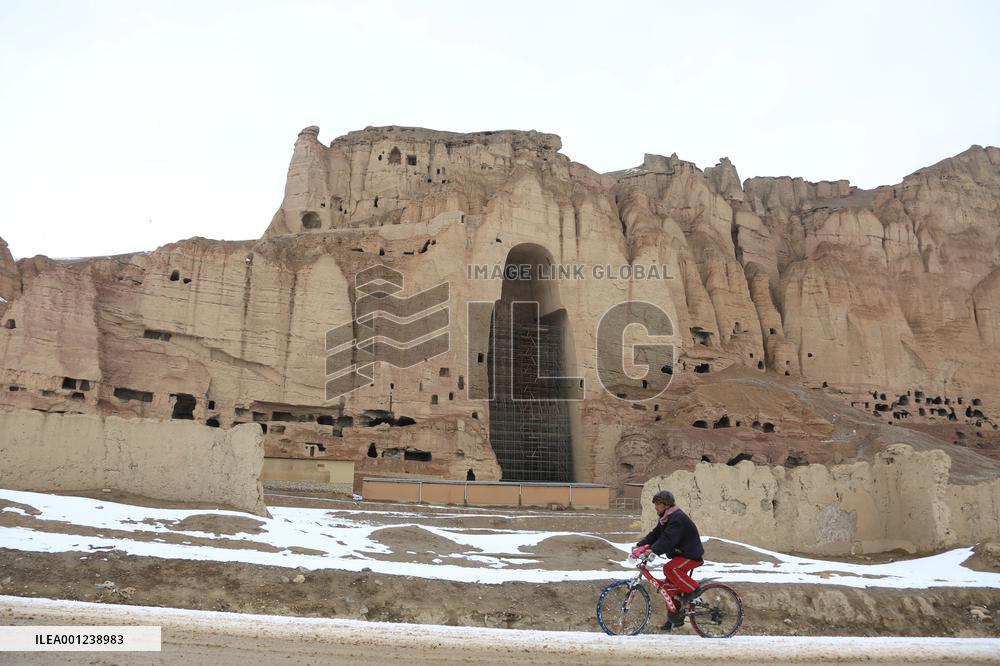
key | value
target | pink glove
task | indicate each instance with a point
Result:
(638, 551)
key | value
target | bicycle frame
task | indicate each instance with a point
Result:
(662, 587)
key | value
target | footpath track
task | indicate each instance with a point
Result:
(195, 637)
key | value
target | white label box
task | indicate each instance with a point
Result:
(79, 639)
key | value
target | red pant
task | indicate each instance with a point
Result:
(677, 572)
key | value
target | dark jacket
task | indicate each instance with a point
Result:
(678, 538)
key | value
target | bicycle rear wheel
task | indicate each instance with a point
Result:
(717, 612)
(623, 610)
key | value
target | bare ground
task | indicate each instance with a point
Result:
(770, 609)
(785, 609)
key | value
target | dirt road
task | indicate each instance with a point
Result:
(194, 637)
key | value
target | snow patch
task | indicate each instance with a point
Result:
(346, 538)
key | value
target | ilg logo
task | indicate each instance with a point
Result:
(405, 331)
(400, 331)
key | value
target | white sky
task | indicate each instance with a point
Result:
(127, 125)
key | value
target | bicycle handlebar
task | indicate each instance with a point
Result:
(643, 559)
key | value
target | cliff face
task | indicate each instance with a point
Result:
(872, 289)
(10, 281)
(808, 318)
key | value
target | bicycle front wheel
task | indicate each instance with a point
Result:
(623, 610)
(716, 612)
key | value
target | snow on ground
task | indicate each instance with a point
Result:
(488, 555)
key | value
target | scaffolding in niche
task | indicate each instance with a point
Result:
(529, 430)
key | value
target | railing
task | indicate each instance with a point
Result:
(625, 504)
(487, 493)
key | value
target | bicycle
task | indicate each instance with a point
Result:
(624, 608)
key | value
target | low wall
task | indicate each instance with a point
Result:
(172, 460)
(309, 474)
(486, 493)
(900, 500)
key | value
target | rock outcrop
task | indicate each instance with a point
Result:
(901, 500)
(806, 317)
(10, 280)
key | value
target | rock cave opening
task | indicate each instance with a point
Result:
(126, 394)
(310, 220)
(735, 460)
(419, 456)
(373, 417)
(184, 405)
(700, 336)
(529, 420)
(795, 460)
(722, 422)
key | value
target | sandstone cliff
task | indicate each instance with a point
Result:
(809, 318)
(10, 280)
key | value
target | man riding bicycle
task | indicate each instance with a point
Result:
(677, 536)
